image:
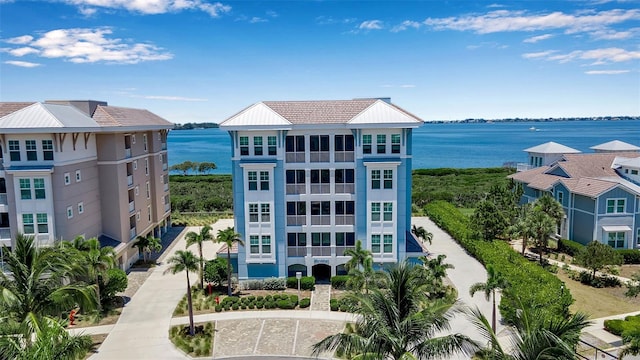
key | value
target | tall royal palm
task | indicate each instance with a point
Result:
(148, 244)
(398, 322)
(38, 284)
(229, 237)
(199, 238)
(186, 261)
(495, 282)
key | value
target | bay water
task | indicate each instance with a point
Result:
(438, 145)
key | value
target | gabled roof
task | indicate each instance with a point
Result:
(290, 113)
(588, 186)
(590, 165)
(552, 148)
(47, 116)
(615, 145)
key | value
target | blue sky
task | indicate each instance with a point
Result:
(199, 60)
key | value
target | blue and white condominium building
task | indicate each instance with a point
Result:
(312, 177)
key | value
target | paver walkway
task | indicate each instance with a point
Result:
(321, 298)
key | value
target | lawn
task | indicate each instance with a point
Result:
(598, 302)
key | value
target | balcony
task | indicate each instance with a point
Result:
(3, 199)
(132, 233)
(129, 180)
(343, 156)
(165, 166)
(132, 206)
(345, 189)
(321, 251)
(296, 220)
(341, 249)
(166, 186)
(523, 167)
(5, 233)
(296, 251)
(320, 188)
(320, 156)
(320, 219)
(127, 153)
(345, 219)
(295, 157)
(295, 189)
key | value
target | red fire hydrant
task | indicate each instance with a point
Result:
(72, 316)
(217, 300)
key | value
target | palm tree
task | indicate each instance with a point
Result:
(186, 261)
(422, 233)
(551, 207)
(398, 322)
(98, 260)
(38, 284)
(542, 225)
(228, 237)
(523, 227)
(362, 278)
(631, 340)
(147, 245)
(359, 256)
(536, 335)
(495, 281)
(436, 268)
(199, 238)
(43, 339)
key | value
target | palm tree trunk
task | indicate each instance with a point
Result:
(190, 305)
(229, 270)
(524, 244)
(493, 313)
(201, 267)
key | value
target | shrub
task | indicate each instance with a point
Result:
(275, 284)
(218, 308)
(235, 306)
(339, 281)
(251, 297)
(630, 256)
(569, 247)
(306, 282)
(293, 299)
(116, 281)
(586, 278)
(259, 298)
(305, 303)
(334, 306)
(285, 304)
(619, 326)
(251, 285)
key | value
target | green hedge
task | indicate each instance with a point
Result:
(339, 281)
(533, 285)
(630, 256)
(306, 283)
(569, 247)
(618, 326)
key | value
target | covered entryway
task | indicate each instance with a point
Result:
(292, 269)
(322, 273)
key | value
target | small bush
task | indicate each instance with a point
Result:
(569, 247)
(334, 306)
(235, 306)
(586, 278)
(285, 304)
(630, 256)
(305, 303)
(293, 299)
(306, 282)
(259, 298)
(275, 284)
(339, 282)
(218, 308)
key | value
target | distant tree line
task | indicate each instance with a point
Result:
(191, 126)
(195, 167)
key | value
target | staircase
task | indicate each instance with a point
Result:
(320, 298)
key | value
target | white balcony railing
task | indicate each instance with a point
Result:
(347, 188)
(523, 167)
(127, 153)
(296, 251)
(132, 233)
(5, 233)
(296, 220)
(320, 219)
(343, 156)
(294, 189)
(132, 206)
(129, 180)
(321, 250)
(3, 199)
(167, 208)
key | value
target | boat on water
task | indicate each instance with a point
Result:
(533, 128)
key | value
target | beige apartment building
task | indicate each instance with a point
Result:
(83, 168)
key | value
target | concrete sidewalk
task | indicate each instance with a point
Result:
(142, 332)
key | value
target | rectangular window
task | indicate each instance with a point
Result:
(47, 149)
(560, 196)
(366, 144)
(80, 207)
(69, 212)
(388, 211)
(144, 142)
(244, 145)
(616, 240)
(146, 167)
(375, 211)
(67, 178)
(43, 226)
(254, 244)
(148, 190)
(344, 176)
(345, 239)
(295, 177)
(79, 175)
(265, 213)
(253, 213)
(388, 244)
(271, 143)
(266, 244)
(14, 150)
(25, 189)
(381, 142)
(135, 164)
(375, 244)
(388, 179)
(319, 143)
(615, 206)
(321, 208)
(264, 180)
(295, 143)
(257, 145)
(375, 179)
(38, 185)
(344, 143)
(253, 180)
(296, 239)
(27, 224)
(395, 143)
(32, 150)
(345, 208)
(149, 212)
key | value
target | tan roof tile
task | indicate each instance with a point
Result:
(316, 112)
(588, 186)
(591, 165)
(120, 116)
(7, 108)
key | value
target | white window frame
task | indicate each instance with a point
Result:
(69, 212)
(624, 239)
(146, 167)
(80, 207)
(137, 190)
(148, 190)
(616, 202)
(67, 178)
(560, 196)
(144, 142)
(78, 175)
(135, 164)
(133, 138)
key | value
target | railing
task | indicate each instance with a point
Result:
(132, 233)
(164, 146)
(343, 156)
(294, 189)
(320, 219)
(129, 180)
(167, 208)
(345, 219)
(320, 188)
(319, 156)
(44, 240)
(523, 167)
(127, 152)
(5, 233)
(296, 220)
(165, 166)
(166, 186)
(296, 251)
(295, 157)
(599, 353)
(3, 199)
(132, 206)
(345, 189)
(341, 249)
(321, 250)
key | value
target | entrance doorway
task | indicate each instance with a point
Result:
(322, 273)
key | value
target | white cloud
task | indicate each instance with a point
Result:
(609, 34)
(597, 56)
(606, 72)
(535, 39)
(538, 54)
(272, 14)
(405, 25)
(88, 46)
(256, 19)
(152, 6)
(20, 40)
(507, 21)
(407, 86)
(25, 64)
(371, 25)
(328, 20)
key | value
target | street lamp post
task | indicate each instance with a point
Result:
(298, 276)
